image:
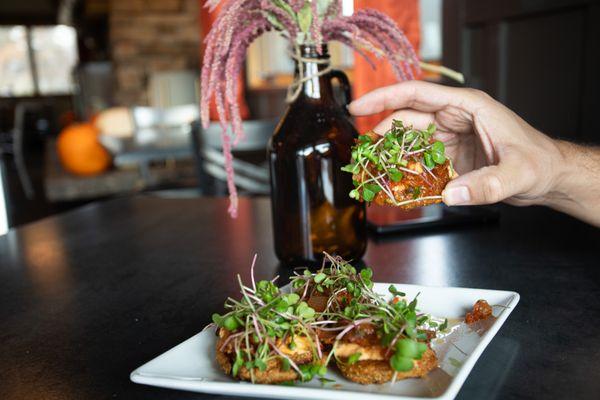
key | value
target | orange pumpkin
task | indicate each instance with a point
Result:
(80, 152)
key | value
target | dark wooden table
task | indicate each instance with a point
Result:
(90, 295)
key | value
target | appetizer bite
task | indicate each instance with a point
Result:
(371, 340)
(405, 168)
(268, 336)
(331, 317)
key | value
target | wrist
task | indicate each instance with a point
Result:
(575, 181)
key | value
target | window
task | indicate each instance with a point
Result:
(431, 30)
(268, 65)
(16, 78)
(37, 60)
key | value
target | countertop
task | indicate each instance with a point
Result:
(90, 295)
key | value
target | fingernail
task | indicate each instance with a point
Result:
(456, 195)
(355, 103)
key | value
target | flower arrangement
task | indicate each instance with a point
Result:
(301, 22)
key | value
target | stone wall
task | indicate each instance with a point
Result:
(148, 36)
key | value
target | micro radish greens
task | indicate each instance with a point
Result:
(377, 163)
(261, 322)
(265, 319)
(402, 329)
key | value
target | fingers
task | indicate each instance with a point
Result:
(418, 95)
(486, 185)
(418, 119)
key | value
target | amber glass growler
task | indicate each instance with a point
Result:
(312, 211)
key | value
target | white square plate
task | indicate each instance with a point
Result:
(191, 365)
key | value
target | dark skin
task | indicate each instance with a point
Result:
(499, 156)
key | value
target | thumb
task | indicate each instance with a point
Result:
(484, 186)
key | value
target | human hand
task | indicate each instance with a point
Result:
(499, 156)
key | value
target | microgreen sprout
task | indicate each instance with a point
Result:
(266, 325)
(264, 321)
(352, 302)
(378, 163)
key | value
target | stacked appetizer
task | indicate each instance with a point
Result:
(405, 167)
(332, 317)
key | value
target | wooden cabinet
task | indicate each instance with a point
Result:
(539, 57)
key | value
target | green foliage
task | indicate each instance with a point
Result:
(305, 18)
(264, 316)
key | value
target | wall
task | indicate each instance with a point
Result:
(148, 36)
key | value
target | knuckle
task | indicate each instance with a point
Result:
(478, 93)
(480, 97)
(492, 189)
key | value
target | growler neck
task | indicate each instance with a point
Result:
(312, 71)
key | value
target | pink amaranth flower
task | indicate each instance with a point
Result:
(315, 27)
(334, 9)
(283, 17)
(296, 4)
(242, 21)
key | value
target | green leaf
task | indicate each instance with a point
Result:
(437, 157)
(281, 305)
(368, 195)
(354, 358)
(352, 168)
(350, 286)
(326, 380)
(407, 348)
(320, 277)
(261, 365)
(364, 139)
(438, 147)
(274, 21)
(237, 364)
(304, 311)
(354, 194)
(366, 273)
(230, 323)
(322, 370)
(395, 175)
(305, 18)
(284, 325)
(285, 7)
(428, 160)
(444, 325)
(292, 298)
(217, 319)
(373, 187)
(431, 129)
(285, 364)
(401, 364)
(395, 291)
(421, 348)
(413, 304)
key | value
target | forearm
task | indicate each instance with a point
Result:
(576, 190)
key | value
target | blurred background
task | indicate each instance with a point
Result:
(99, 98)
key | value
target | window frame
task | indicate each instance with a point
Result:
(33, 67)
